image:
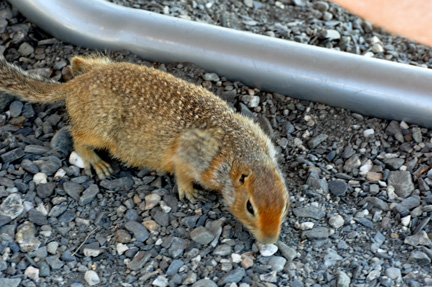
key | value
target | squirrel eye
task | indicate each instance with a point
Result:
(249, 208)
(243, 177)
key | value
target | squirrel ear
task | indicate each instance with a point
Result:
(79, 66)
(241, 177)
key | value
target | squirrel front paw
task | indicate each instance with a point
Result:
(191, 194)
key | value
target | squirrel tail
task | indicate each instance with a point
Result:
(28, 87)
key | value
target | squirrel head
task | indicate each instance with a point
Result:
(260, 200)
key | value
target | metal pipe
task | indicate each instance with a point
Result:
(369, 86)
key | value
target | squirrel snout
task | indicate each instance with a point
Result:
(269, 238)
(269, 231)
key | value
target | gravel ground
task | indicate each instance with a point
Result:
(360, 186)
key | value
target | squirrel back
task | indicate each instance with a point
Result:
(148, 118)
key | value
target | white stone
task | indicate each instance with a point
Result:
(59, 174)
(367, 133)
(332, 34)
(91, 277)
(28, 205)
(236, 258)
(165, 208)
(279, 5)
(404, 125)
(253, 101)
(405, 221)
(375, 40)
(307, 225)
(336, 221)
(42, 209)
(92, 252)
(366, 167)
(267, 250)
(248, 3)
(76, 160)
(32, 273)
(121, 248)
(160, 281)
(52, 247)
(151, 200)
(39, 178)
(166, 10)
(391, 192)
(377, 48)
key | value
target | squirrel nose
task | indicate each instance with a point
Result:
(269, 228)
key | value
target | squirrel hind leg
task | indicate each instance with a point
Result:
(91, 159)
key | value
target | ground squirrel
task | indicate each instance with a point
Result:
(148, 118)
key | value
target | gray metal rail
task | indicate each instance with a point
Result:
(369, 86)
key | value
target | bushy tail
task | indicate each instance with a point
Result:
(28, 87)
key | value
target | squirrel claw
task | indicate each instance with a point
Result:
(103, 169)
(191, 195)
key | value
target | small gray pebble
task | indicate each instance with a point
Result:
(316, 233)
(45, 190)
(223, 250)
(36, 217)
(419, 258)
(204, 283)
(139, 260)
(337, 187)
(25, 49)
(316, 141)
(277, 263)
(73, 189)
(401, 180)
(139, 231)
(201, 235)
(54, 262)
(10, 282)
(212, 77)
(233, 276)
(315, 212)
(174, 267)
(15, 108)
(89, 194)
(393, 273)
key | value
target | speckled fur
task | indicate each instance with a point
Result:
(148, 118)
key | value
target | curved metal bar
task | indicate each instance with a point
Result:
(368, 86)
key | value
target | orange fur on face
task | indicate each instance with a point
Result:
(267, 194)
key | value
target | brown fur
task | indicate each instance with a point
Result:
(148, 118)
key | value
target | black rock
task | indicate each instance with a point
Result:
(139, 231)
(337, 187)
(73, 189)
(28, 111)
(123, 183)
(89, 194)
(316, 141)
(36, 217)
(4, 220)
(12, 155)
(131, 215)
(29, 166)
(45, 190)
(62, 141)
(50, 165)
(5, 101)
(174, 267)
(67, 216)
(161, 218)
